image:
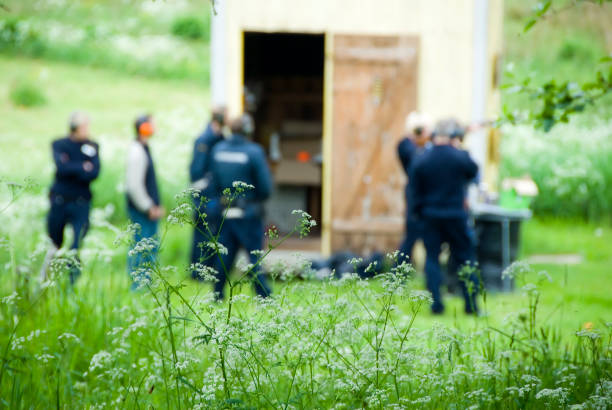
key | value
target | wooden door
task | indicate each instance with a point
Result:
(374, 89)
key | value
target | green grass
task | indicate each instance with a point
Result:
(180, 107)
(123, 337)
(136, 37)
(570, 163)
(113, 100)
(125, 353)
(567, 45)
(563, 236)
(127, 36)
(25, 95)
(578, 293)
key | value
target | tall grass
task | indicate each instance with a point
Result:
(140, 42)
(27, 94)
(346, 343)
(571, 166)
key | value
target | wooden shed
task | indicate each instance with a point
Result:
(330, 83)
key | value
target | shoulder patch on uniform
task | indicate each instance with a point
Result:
(232, 157)
(89, 150)
(202, 147)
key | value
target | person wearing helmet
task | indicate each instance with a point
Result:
(239, 160)
(205, 214)
(415, 142)
(437, 183)
(77, 164)
(143, 200)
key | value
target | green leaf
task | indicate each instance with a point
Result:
(543, 8)
(547, 124)
(187, 383)
(606, 59)
(529, 24)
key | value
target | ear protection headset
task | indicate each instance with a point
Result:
(143, 126)
(458, 132)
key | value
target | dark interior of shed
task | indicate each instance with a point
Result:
(283, 90)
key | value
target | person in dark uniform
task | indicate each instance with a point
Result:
(414, 144)
(238, 159)
(438, 181)
(457, 136)
(77, 163)
(204, 204)
(143, 199)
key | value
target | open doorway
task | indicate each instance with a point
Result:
(283, 90)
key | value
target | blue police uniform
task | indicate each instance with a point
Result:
(199, 174)
(438, 181)
(70, 193)
(238, 159)
(407, 151)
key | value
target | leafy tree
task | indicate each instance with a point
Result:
(556, 101)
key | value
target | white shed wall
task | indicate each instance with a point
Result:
(445, 29)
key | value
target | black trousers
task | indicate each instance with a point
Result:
(455, 232)
(200, 253)
(74, 213)
(247, 233)
(413, 231)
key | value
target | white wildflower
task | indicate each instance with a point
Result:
(559, 395)
(11, 299)
(100, 360)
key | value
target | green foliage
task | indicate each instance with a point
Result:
(539, 10)
(27, 94)
(543, 9)
(189, 27)
(556, 102)
(16, 34)
(315, 344)
(570, 165)
(95, 36)
(556, 98)
(549, 75)
(578, 50)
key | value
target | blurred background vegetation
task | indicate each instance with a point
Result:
(58, 55)
(152, 38)
(571, 163)
(157, 49)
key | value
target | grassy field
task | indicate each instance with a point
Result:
(570, 163)
(102, 346)
(180, 108)
(318, 344)
(136, 37)
(567, 45)
(113, 101)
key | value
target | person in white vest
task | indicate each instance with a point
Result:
(143, 200)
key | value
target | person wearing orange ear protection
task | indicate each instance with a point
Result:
(143, 200)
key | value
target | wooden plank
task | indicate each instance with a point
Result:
(374, 88)
(392, 226)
